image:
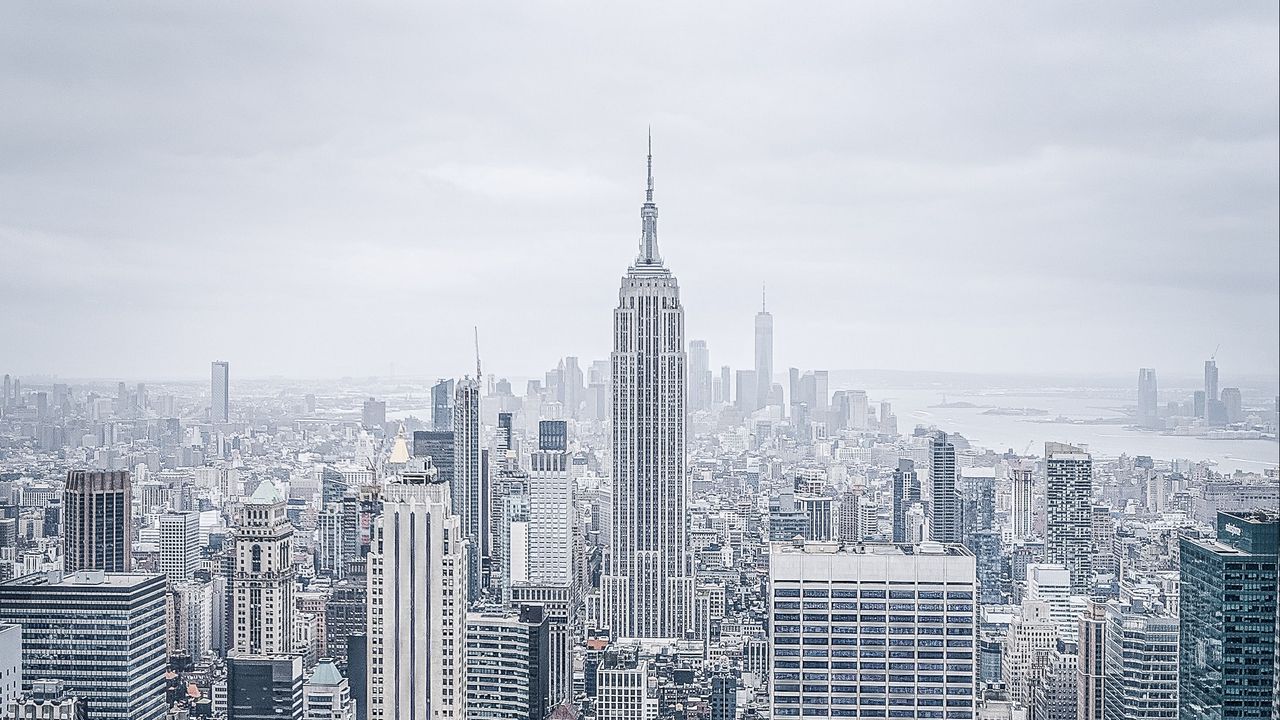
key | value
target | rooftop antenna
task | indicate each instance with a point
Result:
(476, 330)
(762, 307)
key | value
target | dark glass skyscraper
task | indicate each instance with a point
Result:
(1228, 619)
(945, 512)
(906, 492)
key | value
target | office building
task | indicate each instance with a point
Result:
(326, 695)
(623, 690)
(647, 587)
(98, 529)
(1140, 666)
(1148, 406)
(1227, 609)
(560, 604)
(417, 588)
(552, 520)
(873, 631)
(262, 583)
(1091, 666)
(1232, 404)
(1022, 479)
(118, 617)
(10, 664)
(700, 397)
(179, 545)
(1051, 584)
(220, 392)
(264, 687)
(468, 485)
(1210, 381)
(744, 391)
(442, 405)
(1028, 645)
(906, 492)
(373, 414)
(1069, 512)
(763, 355)
(944, 519)
(507, 662)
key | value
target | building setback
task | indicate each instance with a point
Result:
(98, 529)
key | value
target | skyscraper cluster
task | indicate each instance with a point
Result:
(646, 536)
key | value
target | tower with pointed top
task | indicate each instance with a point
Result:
(764, 354)
(647, 587)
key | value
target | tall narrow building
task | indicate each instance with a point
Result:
(417, 585)
(906, 492)
(1022, 477)
(699, 375)
(219, 387)
(99, 521)
(1069, 511)
(470, 500)
(647, 587)
(1210, 380)
(262, 601)
(1148, 408)
(945, 504)
(764, 354)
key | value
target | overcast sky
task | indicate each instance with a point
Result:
(321, 189)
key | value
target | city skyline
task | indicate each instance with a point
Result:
(864, 211)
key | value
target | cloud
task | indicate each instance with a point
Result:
(247, 181)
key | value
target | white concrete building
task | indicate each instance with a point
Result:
(417, 596)
(262, 586)
(881, 626)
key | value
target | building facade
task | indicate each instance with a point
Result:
(98, 524)
(647, 589)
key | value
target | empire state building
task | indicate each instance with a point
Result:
(648, 586)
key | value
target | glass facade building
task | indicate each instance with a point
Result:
(1228, 619)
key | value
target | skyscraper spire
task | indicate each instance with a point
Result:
(762, 305)
(649, 219)
(476, 330)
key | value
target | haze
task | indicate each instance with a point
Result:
(321, 189)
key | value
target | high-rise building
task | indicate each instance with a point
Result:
(944, 519)
(98, 530)
(1210, 380)
(623, 690)
(764, 355)
(417, 591)
(470, 496)
(507, 665)
(47, 699)
(552, 520)
(1028, 645)
(906, 492)
(1069, 511)
(1199, 407)
(745, 390)
(1140, 663)
(1148, 407)
(220, 392)
(262, 583)
(561, 605)
(179, 544)
(1091, 668)
(910, 609)
(373, 413)
(648, 588)
(102, 634)
(10, 665)
(442, 405)
(326, 695)
(1022, 477)
(1232, 404)
(1051, 584)
(699, 375)
(1227, 610)
(264, 687)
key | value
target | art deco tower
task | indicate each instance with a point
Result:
(647, 589)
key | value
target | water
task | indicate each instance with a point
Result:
(1002, 432)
